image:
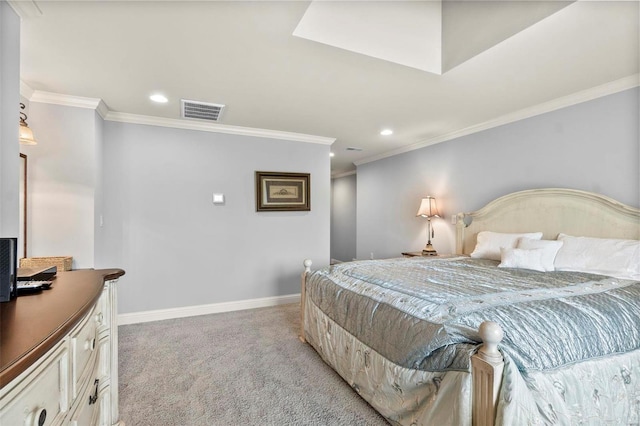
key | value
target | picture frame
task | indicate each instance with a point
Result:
(281, 191)
(22, 230)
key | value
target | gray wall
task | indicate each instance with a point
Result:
(343, 218)
(593, 146)
(9, 118)
(62, 179)
(177, 247)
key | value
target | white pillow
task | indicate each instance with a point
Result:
(549, 250)
(521, 258)
(489, 243)
(604, 256)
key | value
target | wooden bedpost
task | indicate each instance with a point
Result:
(486, 372)
(303, 281)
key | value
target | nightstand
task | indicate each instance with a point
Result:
(419, 254)
(415, 254)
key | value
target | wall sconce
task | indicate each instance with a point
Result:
(26, 134)
(428, 209)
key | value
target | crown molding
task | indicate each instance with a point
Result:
(216, 128)
(25, 9)
(103, 110)
(25, 90)
(566, 101)
(343, 174)
(66, 100)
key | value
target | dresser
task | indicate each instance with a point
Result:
(59, 353)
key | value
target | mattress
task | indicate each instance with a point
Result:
(420, 316)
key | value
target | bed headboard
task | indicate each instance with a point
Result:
(552, 211)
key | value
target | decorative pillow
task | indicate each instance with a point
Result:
(489, 243)
(521, 258)
(604, 256)
(549, 250)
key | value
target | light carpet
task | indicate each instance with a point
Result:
(237, 368)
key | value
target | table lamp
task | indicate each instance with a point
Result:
(428, 209)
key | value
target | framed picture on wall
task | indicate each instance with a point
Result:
(279, 191)
(22, 234)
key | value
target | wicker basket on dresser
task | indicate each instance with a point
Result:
(63, 263)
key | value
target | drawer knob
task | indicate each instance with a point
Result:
(90, 344)
(99, 317)
(39, 417)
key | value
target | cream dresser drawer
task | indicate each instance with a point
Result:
(41, 398)
(84, 341)
(93, 406)
(86, 411)
(104, 359)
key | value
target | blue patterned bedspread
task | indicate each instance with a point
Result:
(423, 313)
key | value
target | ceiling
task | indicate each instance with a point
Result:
(488, 61)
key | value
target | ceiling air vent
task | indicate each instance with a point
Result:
(201, 110)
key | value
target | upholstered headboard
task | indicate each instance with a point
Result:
(551, 211)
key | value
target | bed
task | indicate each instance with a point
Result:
(458, 340)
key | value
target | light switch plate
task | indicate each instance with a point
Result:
(218, 198)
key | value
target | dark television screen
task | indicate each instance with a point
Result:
(8, 268)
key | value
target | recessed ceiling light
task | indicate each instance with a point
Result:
(332, 154)
(161, 99)
(386, 132)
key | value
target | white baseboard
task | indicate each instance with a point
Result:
(213, 308)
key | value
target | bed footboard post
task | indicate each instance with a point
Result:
(303, 286)
(460, 225)
(486, 371)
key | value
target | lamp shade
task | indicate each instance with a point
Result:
(428, 208)
(26, 136)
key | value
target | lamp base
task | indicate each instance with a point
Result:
(429, 251)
